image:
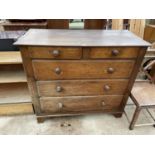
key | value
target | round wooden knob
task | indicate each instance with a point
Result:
(106, 87)
(110, 70)
(103, 103)
(57, 70)
(59, 89)
(55, 53)
(115, 52)
(60, 105)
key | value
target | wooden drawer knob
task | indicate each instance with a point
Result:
(103, 103)
(115, 52)
(110, 70)
(60, 105)
(59, 89)
(57, 70)
(106, 87)
(55, 53)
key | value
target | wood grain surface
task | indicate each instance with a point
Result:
(81, 38)
(79, 104)
(48, 52)
(81, 87)
(45, 70)
(99, 81)
(108, 52)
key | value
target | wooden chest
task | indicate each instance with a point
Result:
(72, 72)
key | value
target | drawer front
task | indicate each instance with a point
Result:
(55, 52)
(79, 103)
(115, 52)
(50, 70)
(81, 87)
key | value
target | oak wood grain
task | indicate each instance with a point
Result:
(63, 52)
(16, 109)
(99, 81)
(81, 87)
(108, 52)
(58, 23)
(79, 103)
(81, 38)
(10, 57)
(27, 63)
(84, 69)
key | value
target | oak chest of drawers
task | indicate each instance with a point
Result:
(72, 72)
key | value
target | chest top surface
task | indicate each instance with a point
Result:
(84, 38)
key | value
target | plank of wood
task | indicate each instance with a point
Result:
(12, 57)
(81, 87)
(149, 33)
(58, 24)
(108, 52)
(27, 62)
(84, 69)
(14, 93)
(132, 24)
(95, 23)
(117, 24)
(9, 76)
(137, 26)
(16, 26)
(79, 103)
(142, 28)
(16, 109)
(84, 38)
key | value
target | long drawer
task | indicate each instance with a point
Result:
(113, 52)
(79, 104)
(84, 69)
(55, 52)
(81, 87)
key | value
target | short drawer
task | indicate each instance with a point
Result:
(113, 52)
(81, 87)
(55, 52)
(84, 69)
(79, 103)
